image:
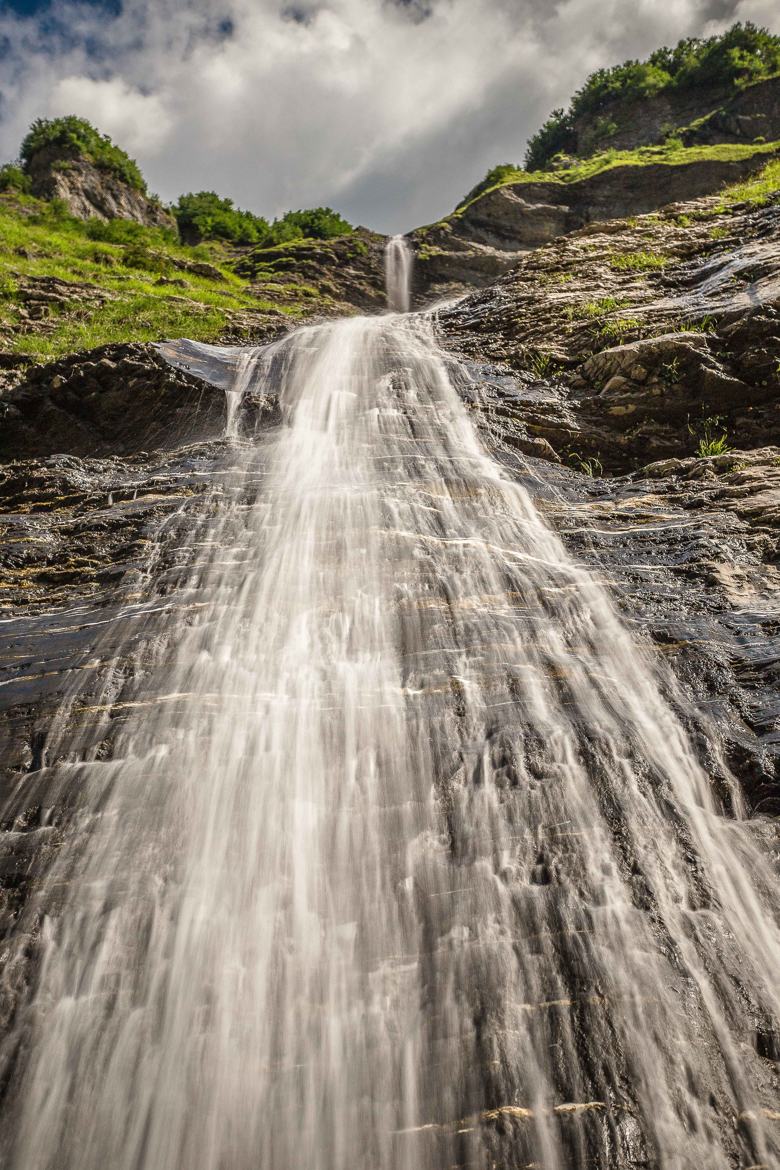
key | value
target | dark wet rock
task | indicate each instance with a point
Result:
(109, 456)
(113, 400)
(625, 365)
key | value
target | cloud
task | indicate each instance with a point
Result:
(388, 109)
(139, 121)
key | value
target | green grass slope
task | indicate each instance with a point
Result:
(67, 284)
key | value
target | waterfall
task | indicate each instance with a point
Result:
(398, 857)
(398, 274)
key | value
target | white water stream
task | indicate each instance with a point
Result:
(411, 866)
(399, 259)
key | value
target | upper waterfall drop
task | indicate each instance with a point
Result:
(398, 274)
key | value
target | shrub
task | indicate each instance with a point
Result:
(13, 178)
(317, 223)
(205, 215)
(76, 136)
(555, 137)
(208, 216)
(743, 54)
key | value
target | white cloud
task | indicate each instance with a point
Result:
(369, 105)
(140, 122)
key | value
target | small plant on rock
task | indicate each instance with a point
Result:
(719, 233)
(637, 261)
(711, 442)
(590, 466)
(705, 324)
(542, 364)
(617, 329)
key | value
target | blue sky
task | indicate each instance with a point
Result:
(33, 7)
(389, 110)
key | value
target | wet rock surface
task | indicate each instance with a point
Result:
(113, 459)
(115, 400)
(631, 341)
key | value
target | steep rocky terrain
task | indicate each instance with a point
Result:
(621, 323)
(481, 239)
(634, 336)
(624, 347)
(90, 192)
(700, 114)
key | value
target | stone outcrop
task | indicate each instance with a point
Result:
(749, 114)
(92, 192)
(624, 342)
(342, 273)
(477, 244)
(113, 401)
(704, 114)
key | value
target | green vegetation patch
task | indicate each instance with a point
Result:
(667, 154)
(70, 137)
(738, 57)
(205, 215)
(637, 261)
(112, 282)
(14, 178)
(758, 190)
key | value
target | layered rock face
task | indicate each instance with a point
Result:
(632, 337)
(704, 114)
(481, 242)
(345, 272)
(92, 192)
(750, 114)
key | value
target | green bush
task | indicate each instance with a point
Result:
(555, 137)
(75, 136)
(208, 216)
(316, 223)
(205, 215)
(127, 231)
(13, 178)
(740, 56)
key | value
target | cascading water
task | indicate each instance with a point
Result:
(411, 865)
(398, 274)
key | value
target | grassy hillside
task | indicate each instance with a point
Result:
(671, 153)
(739, 57)
(67, 284)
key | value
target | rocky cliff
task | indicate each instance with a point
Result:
(481, 239)
(701, 114)
(92, 192)
(621, 322)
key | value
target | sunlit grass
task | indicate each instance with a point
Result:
(668, 154)
(148, 297)
(758, 190)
